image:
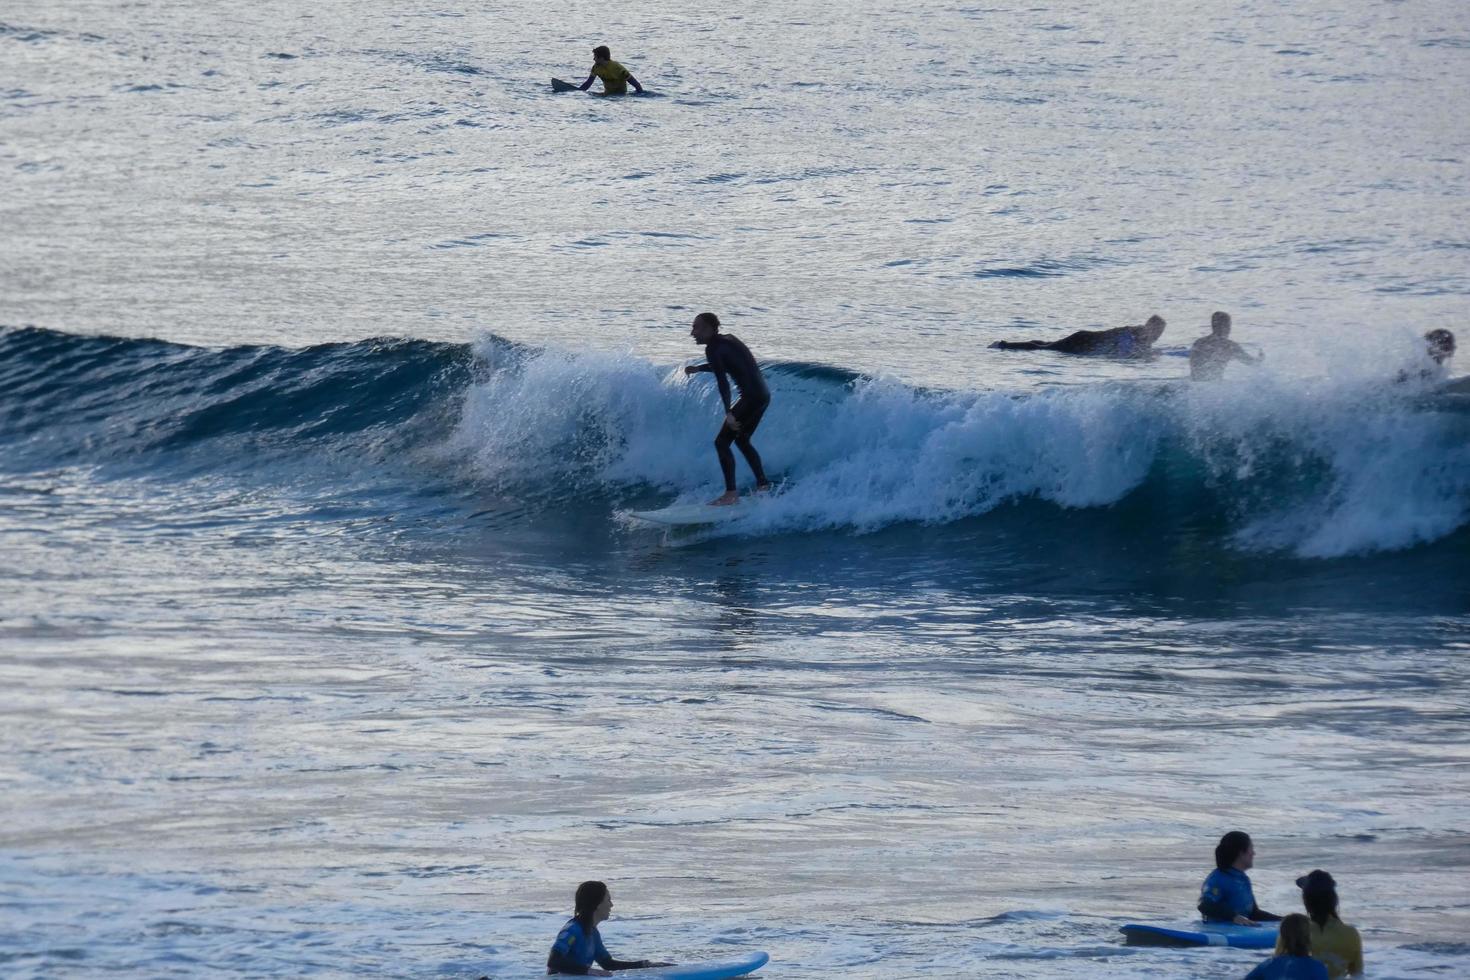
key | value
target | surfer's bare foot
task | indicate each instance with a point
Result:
(725, 499)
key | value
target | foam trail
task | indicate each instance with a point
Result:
(1268, 462)
(1319, 469)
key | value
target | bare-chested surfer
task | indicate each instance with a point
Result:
(1210, 355)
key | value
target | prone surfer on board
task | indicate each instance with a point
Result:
(728, 358)
(1226, 895)
(579, 944)
(615, 78)
(1117, 342)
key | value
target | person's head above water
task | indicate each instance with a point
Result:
(602, 53)
(593, 904)
(1296, 935)
(706, 325)
(1441, 345)
(1235, 850)
(1151, 329)
(1319, 895)
(1220, 324)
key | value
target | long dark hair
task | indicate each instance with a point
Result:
(1296, 935)
(1231, 846)
(1321, 904)
(589, 895)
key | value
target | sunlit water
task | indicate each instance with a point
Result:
(345, 659)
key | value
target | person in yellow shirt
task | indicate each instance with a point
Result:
(615, 78)
(1336, 944)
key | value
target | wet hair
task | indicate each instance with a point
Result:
(602, 53)
(589, 895)
(1296, 935)
(707, 320)
(1441, 344)
(1321, 903)
(1231, 846)
(1220, 322)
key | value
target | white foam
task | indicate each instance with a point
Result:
(1319, 467)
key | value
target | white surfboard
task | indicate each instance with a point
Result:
(717, 970)
(692, 515)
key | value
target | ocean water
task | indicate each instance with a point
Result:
(335, 350)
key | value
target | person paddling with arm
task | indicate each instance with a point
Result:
(615, 78)
(726, 357)
(1135, 341)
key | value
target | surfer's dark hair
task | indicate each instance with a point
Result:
(1441, 343)
(1220, 321)
(602, 52)
(1231, 846)
(1296, 935)
(589, 895)
(1321, 904)
(707, 320)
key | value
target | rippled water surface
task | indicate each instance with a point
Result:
(335, 350)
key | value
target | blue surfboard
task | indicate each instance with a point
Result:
(714, 970)
(1202, 934)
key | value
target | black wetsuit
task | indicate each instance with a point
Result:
(729, 359)
(1117, 342)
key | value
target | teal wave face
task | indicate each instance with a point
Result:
(1308, 468)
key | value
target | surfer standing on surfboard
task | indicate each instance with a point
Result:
(615, 78)
(728, 358)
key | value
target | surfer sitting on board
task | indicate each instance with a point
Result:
(728, 358)
(1117, 342)
(615, 78)
(579, 944)
(1210, 355)
(1226, 895)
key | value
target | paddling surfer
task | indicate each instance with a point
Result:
(1118, 342)
(615, 78)
(727, 358)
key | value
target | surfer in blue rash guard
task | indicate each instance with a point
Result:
(727, 358)
(1226, 895)
(579, 944)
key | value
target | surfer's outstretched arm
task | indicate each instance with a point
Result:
(634, 82)
(588, 84)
